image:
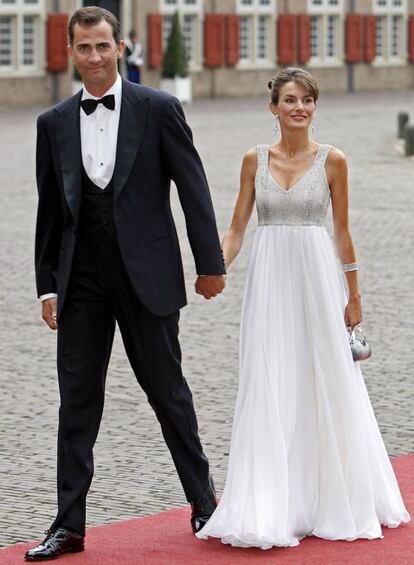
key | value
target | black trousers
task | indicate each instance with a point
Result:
(100, 294)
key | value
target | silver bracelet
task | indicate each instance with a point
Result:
(347, 267)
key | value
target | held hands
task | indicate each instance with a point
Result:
(49, 307)
(210, 286)
(353, 312)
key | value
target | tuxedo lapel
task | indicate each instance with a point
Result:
(131, 128)
(134, 110)
(69, 147)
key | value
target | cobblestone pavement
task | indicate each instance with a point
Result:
(134, 473)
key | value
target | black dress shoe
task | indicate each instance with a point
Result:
(203, 508)
(55, 543)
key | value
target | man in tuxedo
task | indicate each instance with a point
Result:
(106, 251)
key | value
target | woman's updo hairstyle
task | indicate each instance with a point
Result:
(295, 74)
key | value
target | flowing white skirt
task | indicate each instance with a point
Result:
(306, 456)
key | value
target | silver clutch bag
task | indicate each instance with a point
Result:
(360, 348)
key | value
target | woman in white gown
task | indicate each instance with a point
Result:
(306, 456)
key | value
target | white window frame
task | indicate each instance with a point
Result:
(390, 8)
(254, 11)
(195, 10)
(18, 10)
(323, 11)
(388, 11)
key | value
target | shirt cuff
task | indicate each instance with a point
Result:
(46, 296)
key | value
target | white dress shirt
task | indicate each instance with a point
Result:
(99, 136)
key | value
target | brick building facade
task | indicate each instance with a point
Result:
(234, 46)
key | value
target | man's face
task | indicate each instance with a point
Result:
(95, 54)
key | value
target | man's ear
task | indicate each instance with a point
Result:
(70, 51)
(121, 47)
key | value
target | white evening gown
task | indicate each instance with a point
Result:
(306, 456)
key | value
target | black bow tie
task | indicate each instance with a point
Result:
(89, 104)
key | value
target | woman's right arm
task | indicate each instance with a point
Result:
(233, 238)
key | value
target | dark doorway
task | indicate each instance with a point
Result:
(111, 5)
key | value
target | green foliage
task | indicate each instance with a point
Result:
(175, 61)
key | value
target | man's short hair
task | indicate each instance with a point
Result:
(92, 16)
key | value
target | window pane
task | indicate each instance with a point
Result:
(333, 2)
(264, 2)
(189, 32)
(29, 40)
(170, 2)
(190, 2)
(31, 1)
(6, 41)
(245, 38)
(382, 3)
(331, 36)
(316, 36)
(262, 37)
(396, 22)
(246, 2)
(316, 2)
(166, 29)
(380, 36)
(8, 2)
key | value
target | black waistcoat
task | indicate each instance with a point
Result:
(96, 215)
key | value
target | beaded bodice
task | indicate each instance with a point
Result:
(304, 203)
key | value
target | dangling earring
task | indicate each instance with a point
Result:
(313, 124)
(276, 128)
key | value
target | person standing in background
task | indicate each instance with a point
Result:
(134, 57)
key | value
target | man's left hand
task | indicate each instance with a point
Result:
(210, 286)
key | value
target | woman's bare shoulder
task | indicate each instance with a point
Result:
(250, 160)
(251, 154)
(336, 157)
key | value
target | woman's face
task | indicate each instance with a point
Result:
(295, 107)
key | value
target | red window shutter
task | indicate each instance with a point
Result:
(154, 41)
(57, 41)
(286, 38)
(411, 38)
(213, 40)
(304, 43)
(370, 51)
(353, 44)
(232, 39)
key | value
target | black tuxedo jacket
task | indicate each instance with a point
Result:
(154, 147)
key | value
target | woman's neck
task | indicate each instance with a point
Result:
(294, 142)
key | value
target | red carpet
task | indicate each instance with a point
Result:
(165, 539)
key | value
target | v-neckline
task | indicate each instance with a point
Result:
(305, 174)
